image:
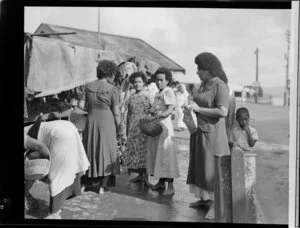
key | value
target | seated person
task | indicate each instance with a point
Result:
(244, 136)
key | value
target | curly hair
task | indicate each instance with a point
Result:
(240, 111)
(166, 72)
(106, 69)
(210, 62)
(138, 74)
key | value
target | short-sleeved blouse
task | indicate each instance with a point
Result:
(163, 99)
(212, 94)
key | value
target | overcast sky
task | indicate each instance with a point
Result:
(181, 34)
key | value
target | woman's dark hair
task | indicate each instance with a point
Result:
(166, 72)
(223, 77)
(138, 74)
(210, 62)
(106, 68)
(240, 111)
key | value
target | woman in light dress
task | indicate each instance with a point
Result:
(161, 155)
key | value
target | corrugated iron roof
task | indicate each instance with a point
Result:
(133, 46)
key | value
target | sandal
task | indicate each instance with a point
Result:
(137, 179)
(159, 186)
(200, 203)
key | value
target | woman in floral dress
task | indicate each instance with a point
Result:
(138, 107)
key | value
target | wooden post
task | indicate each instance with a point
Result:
(223, 193)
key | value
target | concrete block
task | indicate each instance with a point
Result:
(238, 187)
(223, 192)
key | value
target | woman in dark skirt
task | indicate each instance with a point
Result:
(211, 107)
(99, 136)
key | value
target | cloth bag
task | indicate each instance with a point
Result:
(190, 120)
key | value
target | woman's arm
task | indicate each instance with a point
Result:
(34, 144)
(166, 113)
(221, 99)
(117, 115)
(218, 112)
(251, 140)
(81, 104)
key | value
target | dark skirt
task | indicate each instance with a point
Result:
(100, 143)
(73, 190)
(201, 163)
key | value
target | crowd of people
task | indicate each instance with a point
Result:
(94, 160)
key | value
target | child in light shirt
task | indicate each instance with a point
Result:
(244, 136)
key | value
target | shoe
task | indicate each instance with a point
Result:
(159, 186)
(137, 179)
(200, 203)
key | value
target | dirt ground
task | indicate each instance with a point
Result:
(129, 201)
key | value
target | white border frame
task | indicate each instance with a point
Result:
(294, 118)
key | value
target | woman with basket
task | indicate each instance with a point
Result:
(161, 156)
(138, 106)
(67, 156)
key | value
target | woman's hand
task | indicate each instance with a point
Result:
(152, 111)
(192, 106)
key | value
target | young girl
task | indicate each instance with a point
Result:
(138, 106)
(161, 155)
(244, 136)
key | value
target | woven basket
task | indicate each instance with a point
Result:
(36, 169)
(150, 127)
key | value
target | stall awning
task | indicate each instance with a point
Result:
(56, 66)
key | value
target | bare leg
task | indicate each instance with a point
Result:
(211, 211)
(170, 190)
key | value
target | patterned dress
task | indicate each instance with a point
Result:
(136, 150)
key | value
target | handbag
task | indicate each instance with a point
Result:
(190, 120)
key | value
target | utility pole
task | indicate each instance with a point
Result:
(256, 84)
(287, 58)
(99, 39)
(256, 53)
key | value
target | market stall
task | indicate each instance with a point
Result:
(55, 72)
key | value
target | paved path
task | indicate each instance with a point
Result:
(128, 201)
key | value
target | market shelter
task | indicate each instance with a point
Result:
(58, 59)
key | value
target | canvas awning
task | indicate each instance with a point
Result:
(56, 66)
